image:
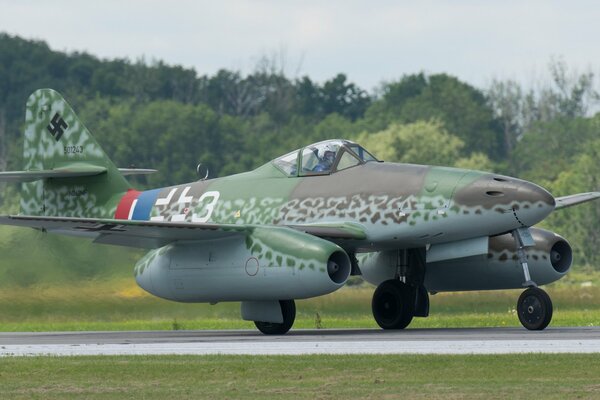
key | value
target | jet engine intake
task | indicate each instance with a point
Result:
(339, 267)
(561, 256)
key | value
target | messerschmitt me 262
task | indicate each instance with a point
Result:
(298, 226)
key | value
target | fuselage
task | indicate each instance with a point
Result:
(398, 205)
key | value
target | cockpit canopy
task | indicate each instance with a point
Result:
(323, 158)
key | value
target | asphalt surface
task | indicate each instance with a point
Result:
(328, 341)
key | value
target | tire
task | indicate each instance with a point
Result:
(534, 309)
(393, 304)
(288, 310)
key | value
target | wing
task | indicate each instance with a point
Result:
(574, 199)
(143, 234)
(152, 234)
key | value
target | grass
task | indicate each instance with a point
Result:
(302, 377)
(118, 304)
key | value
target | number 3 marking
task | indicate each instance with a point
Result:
(210, 207)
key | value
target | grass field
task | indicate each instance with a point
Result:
(118, 304)
(302, 377)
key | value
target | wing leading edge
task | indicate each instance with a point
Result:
(574, 199)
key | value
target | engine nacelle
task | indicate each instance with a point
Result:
(549, 260)
(266, 263)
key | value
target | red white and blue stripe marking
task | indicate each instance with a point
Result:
(136, 205)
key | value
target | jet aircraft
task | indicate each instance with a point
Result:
(298, 226)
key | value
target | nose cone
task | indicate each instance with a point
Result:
(520, 202)
(532, 203)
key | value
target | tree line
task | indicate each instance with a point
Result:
(155, 115)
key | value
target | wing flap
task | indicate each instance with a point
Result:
(574, 199)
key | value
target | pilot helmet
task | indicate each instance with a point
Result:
(327, 152)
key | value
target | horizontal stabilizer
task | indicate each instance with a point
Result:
(73, 171)
(574, 199)
(136, 171)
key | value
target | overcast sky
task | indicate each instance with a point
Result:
(370, 41)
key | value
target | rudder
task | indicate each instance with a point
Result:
(55, 139)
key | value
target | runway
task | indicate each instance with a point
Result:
(296, 342)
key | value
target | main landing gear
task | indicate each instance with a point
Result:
(393, 304)
(396, 301)
(288, 310)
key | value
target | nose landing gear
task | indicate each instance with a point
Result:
(534, 309)
(534, 306)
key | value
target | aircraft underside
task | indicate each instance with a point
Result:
(195, 272)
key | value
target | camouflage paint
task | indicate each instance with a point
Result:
(398, 205)
(268, 263)
(55, 138)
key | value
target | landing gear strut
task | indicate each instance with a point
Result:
(396, 301)
(534, 309)
(393, 304)
(288, 310)
(534, 306)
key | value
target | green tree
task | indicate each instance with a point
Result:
(477, 161)
(343, 98)
(550, 148)
(422, 142)
(462, 109)
(579, 224)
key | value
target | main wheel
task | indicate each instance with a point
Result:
(288, 310)
(534, 308)
(393, 304)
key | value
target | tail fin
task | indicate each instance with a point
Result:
(77, 178)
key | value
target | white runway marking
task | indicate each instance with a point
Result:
(313, 347)
(305, 341)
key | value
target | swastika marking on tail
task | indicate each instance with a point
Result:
(57, 126)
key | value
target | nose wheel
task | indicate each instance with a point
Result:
(534, 309)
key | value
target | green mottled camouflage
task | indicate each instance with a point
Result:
(92, 197)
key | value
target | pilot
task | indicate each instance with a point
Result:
(326, 157)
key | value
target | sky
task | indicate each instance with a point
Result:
(370, 41)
